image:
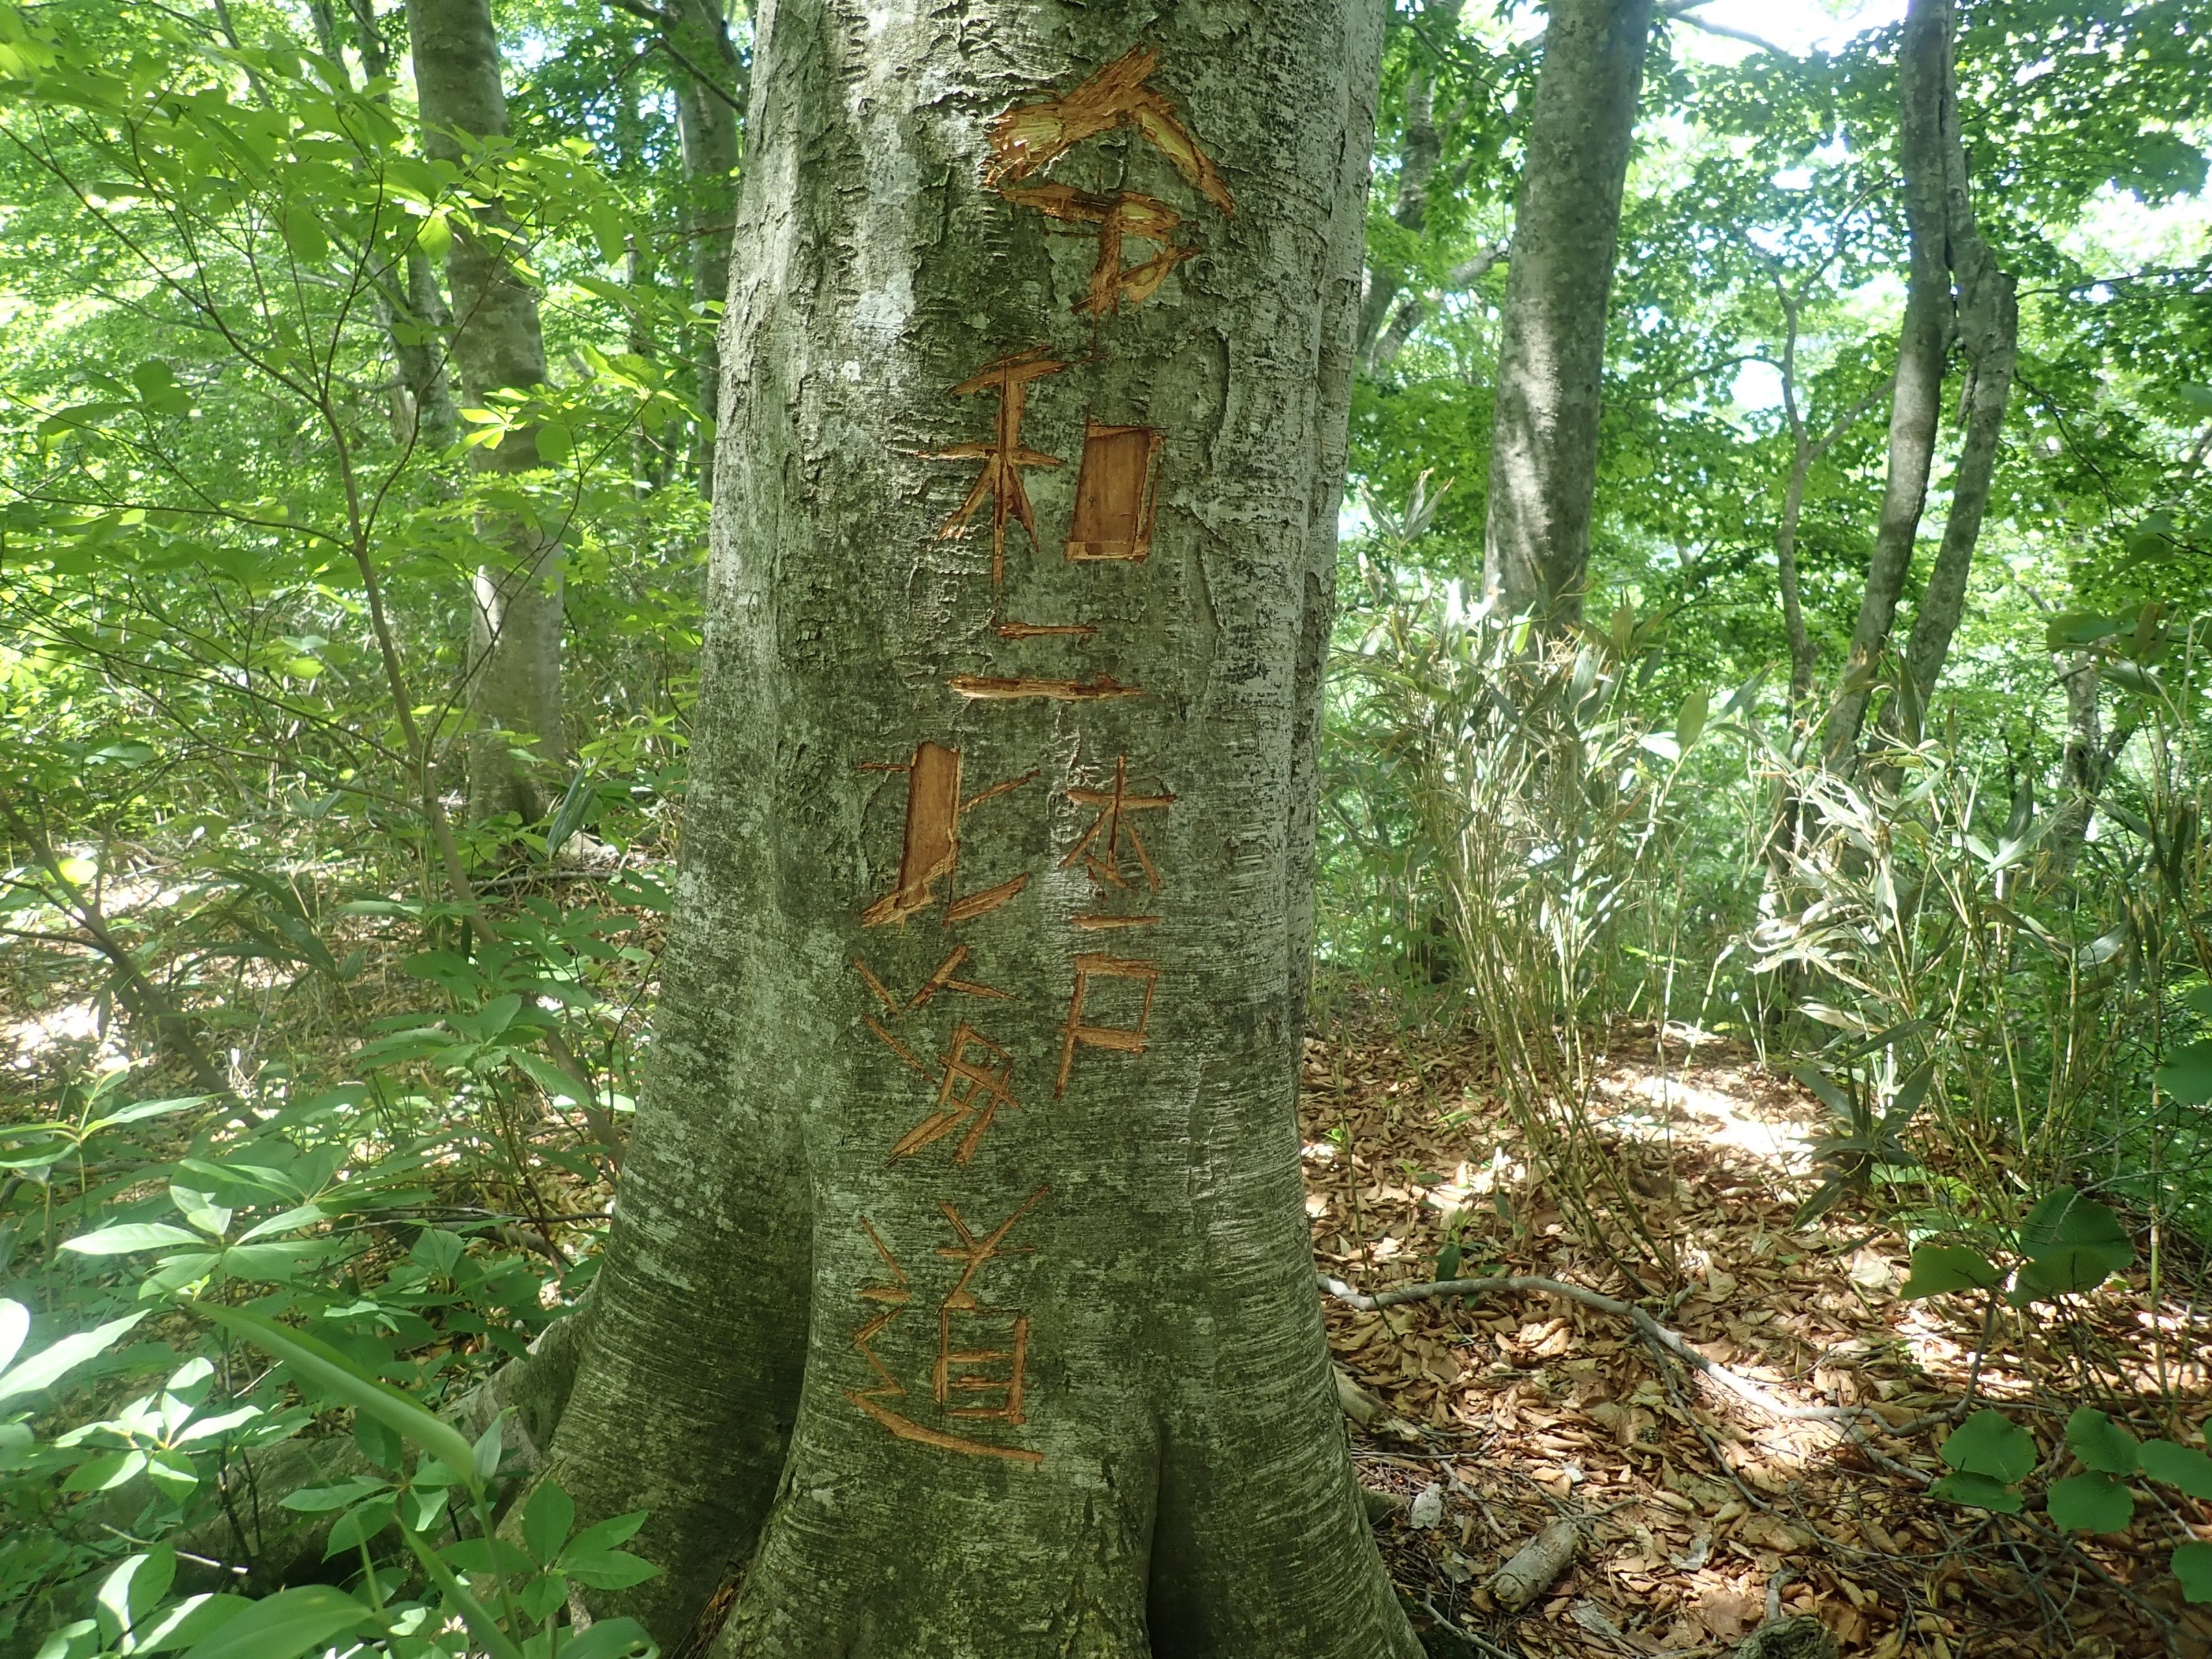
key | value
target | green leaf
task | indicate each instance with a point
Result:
(15, 1326)
(2177, 1465)
(608, 1638)
(105, 1473)
(546, 1520)
(332, 1372)
(2187, 1074)
(131, 1235)
(1990, 1443)
(313, 1500)
(357, 1526)
(303, 235)
(50, 1364)
(285, 1625)
(555, 444)
(2192, 1566)
(1690, 719)
(193, 1620)
(1978, 1491)
(2073, 1244)
(2090, 1503)
(607, 1569)
(2101, 1444)
(617, 1529)
(1942, 1269)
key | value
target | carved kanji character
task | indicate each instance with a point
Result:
(1126, 214)
(930, 853)
(1122, 1039)
(1030, 137)
(1004, 457)
(982, 1351)
(1113, 834)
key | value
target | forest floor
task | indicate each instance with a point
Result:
(1700, 1515)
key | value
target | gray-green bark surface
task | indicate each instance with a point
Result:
(786, 1272)
(515, 683)
(1566, 231)
(708, 96)
(1916, 395)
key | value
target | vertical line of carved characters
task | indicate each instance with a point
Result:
(1029, 138)
(1079, 1032)
(982, 1351)
(995, 1373)
(1000, 481)
(1124, 214)
(1116, 492)
(971, 1089)
(930, 850)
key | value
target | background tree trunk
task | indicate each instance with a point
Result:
(1566, 231)
(1923, 75)
(1989, 329)
(963, 1218)
(408, 302)
(709, 97)
(515, 688)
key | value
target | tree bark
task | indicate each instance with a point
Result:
(959, 1291)
(710, 88)
(1923, 76)
(1420, 150)
(514, 687)
(407, 303)
(1988, 328)
(1566, 232)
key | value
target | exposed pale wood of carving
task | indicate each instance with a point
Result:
(1115, 494)
(1031, 136)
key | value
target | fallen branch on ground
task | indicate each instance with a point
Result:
(1672, 1342)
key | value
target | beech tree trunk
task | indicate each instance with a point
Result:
(960, 1295)
(710, 93)
(1988, 324)
(408, 302)
(1566, 231)
(514, 685)
(1916, 395)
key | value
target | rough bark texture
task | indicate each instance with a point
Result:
(407, 303)
(975, 1319)
(1923, 76)
(1947, 249)
(710, 91)
(1989, 329)
(1566, 230)
(514, 687)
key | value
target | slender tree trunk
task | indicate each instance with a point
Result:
(710, 88)
(1988, 328)
(1566, 231)
(1923, 74)
(960, 1293)
(408, 302)
(1420, 150)
(515, 689)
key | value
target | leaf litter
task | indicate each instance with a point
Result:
(1702, 1518)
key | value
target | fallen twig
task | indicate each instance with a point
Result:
(1673, 1342)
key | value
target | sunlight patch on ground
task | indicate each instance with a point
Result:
(75, 1023)
(1652, 1108)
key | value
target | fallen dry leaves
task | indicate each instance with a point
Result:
(1700, 1514)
